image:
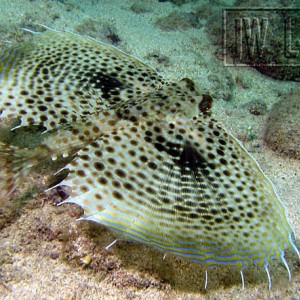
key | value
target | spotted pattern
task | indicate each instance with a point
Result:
(185, 187)
(60, 78)
(152, 164)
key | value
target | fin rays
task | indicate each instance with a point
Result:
(151, 164)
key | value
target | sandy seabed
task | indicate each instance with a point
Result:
(46, 254)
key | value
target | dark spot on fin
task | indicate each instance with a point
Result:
(193, 163)
(172, 149)
(105, 82)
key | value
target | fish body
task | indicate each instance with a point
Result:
(151, 163)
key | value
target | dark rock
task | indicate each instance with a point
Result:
(282, 132)
(101, 30)
(58, 194)
(256, 107)
(272, 60)
(177, 21)
(159, 58)
(139, 7)
(54, 255)
(177, 2)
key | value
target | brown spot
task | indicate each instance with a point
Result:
(111, 161)
(143, 158)
(117, 138)
(120, 173)
(116, 184)
(99, 166)
(96, 129)
(84, 189)
(110, 149)
(102, 180)
(132, 152)
(99, 197)
(99, 207)
(80, 173)
(84, 157)
(98, 153)
(128, 186)
(118, 195)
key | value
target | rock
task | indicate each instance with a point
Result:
(177, 21)
(273, 61)
(139, 7)
(256, 107)
(282, 133)
(178, 2)
(103, 30)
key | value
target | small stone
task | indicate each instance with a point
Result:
(86, 260)
(256, 107)
(54, 255)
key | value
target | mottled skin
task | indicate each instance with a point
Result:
(151, 163)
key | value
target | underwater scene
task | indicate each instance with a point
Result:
(149, 149)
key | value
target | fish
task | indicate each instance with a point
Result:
(147, 158)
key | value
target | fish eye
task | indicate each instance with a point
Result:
(206, 103)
